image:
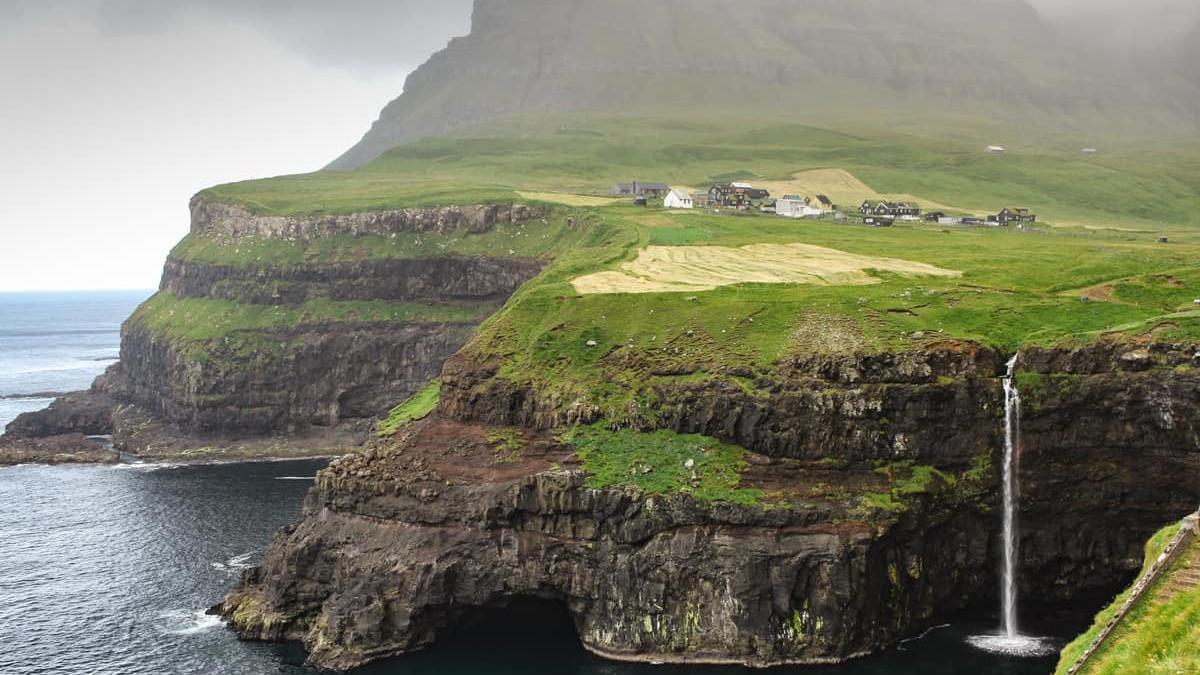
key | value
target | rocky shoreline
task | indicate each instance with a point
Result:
(462, 512)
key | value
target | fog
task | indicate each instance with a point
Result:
(116, 111)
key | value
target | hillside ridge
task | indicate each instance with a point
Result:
(995, 60)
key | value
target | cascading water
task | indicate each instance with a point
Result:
(1009, 640)
(1012, 435)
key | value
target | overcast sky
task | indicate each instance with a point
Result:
(114, 112)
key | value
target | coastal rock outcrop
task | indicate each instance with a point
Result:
(235, 346)
(230, 223)
(839, 558)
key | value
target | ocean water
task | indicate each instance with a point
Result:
(57, 342)
(108, 570)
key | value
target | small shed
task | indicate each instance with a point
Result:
(996, 150)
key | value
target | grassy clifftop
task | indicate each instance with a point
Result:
(1128, 185)
(848, 290)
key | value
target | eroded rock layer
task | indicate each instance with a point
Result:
(458, 514)
(236, 345)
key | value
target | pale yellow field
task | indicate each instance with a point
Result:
(843, 187)
(568, 199)
(668, 269)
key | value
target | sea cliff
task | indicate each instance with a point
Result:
(866, 510)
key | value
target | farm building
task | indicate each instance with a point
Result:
(996, 150)
(1009, 216)
(700, 199)
(934, 216)
(822, 202)
(679, 199)
(900, 210)
(737, 195)
(640, 188)
(797, 207)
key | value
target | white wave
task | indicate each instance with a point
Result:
(188, 621)
(146, 467)
(235, 564)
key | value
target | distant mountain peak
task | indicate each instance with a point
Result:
(996, 59)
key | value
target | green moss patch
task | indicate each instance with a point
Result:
(203, 319)
(417, 407)
(663, 462)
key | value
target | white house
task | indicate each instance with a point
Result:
(679, 199)
(795, 207)
(996, 149)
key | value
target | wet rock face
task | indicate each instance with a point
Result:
(397, 545)
(269, 382)
(1110, 453)
(83, 413)
(936, 405)
(439, 279)
(230, 223)
(399, 542)
(316, 377)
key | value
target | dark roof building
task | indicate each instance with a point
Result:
(640, 188)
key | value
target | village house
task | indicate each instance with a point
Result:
(736, 195)
(679, 198)
(901, 210)
(640, 189)
(797, 207)
(823, 202)
(1010, 216)
(700, 199)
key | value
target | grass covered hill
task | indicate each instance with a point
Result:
(900, 65)
(1096, 267)
(1132, 185)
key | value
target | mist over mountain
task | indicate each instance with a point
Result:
(997, 60)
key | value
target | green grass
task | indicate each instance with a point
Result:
(205, 319)
(906, 480)
(1159, 635)
(1129, 185)
(658, 463)
(533, 239)
(1017, 289)
(417, 407)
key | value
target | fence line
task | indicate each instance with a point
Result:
(1176, 547)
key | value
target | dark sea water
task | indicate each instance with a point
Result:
(57, 342)
(108, 569)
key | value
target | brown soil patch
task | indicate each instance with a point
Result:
(1102, 293)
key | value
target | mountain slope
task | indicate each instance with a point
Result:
(824, 59)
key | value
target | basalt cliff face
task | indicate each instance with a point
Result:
(241, 347)
(463, 512)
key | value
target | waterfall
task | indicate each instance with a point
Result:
(1012, 451)
(1009, 640)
